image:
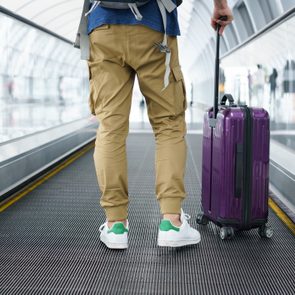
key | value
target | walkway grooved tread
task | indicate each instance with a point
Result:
(49, 240)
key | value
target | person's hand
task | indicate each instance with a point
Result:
(218, 12)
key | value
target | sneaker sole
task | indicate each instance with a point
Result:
(177, 243)
(115, 245)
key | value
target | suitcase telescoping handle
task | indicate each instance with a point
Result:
(216, 79)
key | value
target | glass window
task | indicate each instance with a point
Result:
(246, 18)
(266, 78)
(41, 79)
(261, 74)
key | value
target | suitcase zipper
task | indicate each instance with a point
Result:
(248, 166)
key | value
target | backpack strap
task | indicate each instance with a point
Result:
(163, 6)
(82, 38)
(169, 5)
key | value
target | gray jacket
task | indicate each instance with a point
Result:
(82, 38)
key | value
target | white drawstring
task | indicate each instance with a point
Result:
(135, 11)
(94, 5)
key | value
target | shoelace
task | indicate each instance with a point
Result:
(186, 216)
(102, 226)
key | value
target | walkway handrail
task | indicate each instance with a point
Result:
(32, 24)
(276, 22)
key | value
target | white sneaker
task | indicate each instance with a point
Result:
(115, 237)
(174, 236)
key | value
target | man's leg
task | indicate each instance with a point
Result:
(166, 109)
(111, 84)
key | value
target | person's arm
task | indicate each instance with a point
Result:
(221, 8)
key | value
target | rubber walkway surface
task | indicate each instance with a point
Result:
(49, 240)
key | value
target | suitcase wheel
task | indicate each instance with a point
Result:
(226, 233)
(202, 219)
(265, 231)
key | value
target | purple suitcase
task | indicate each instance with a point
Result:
(235, 166)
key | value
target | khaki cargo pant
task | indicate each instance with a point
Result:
(117, 54)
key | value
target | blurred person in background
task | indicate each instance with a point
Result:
(10, 90)
(273, 85)
(250, 87)
(259, 85)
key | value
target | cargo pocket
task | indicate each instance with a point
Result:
(90, 100)
(100, 28)
(91, 93)
(180, 90)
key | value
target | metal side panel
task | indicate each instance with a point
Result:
(21, 167)
(282, 170)
(49, 240)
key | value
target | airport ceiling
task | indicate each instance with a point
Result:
(60, 16)
(63, 16)
(197, 41)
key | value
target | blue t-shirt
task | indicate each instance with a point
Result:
(151, 18)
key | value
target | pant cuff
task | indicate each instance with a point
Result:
(170, 205)
(116, 213)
